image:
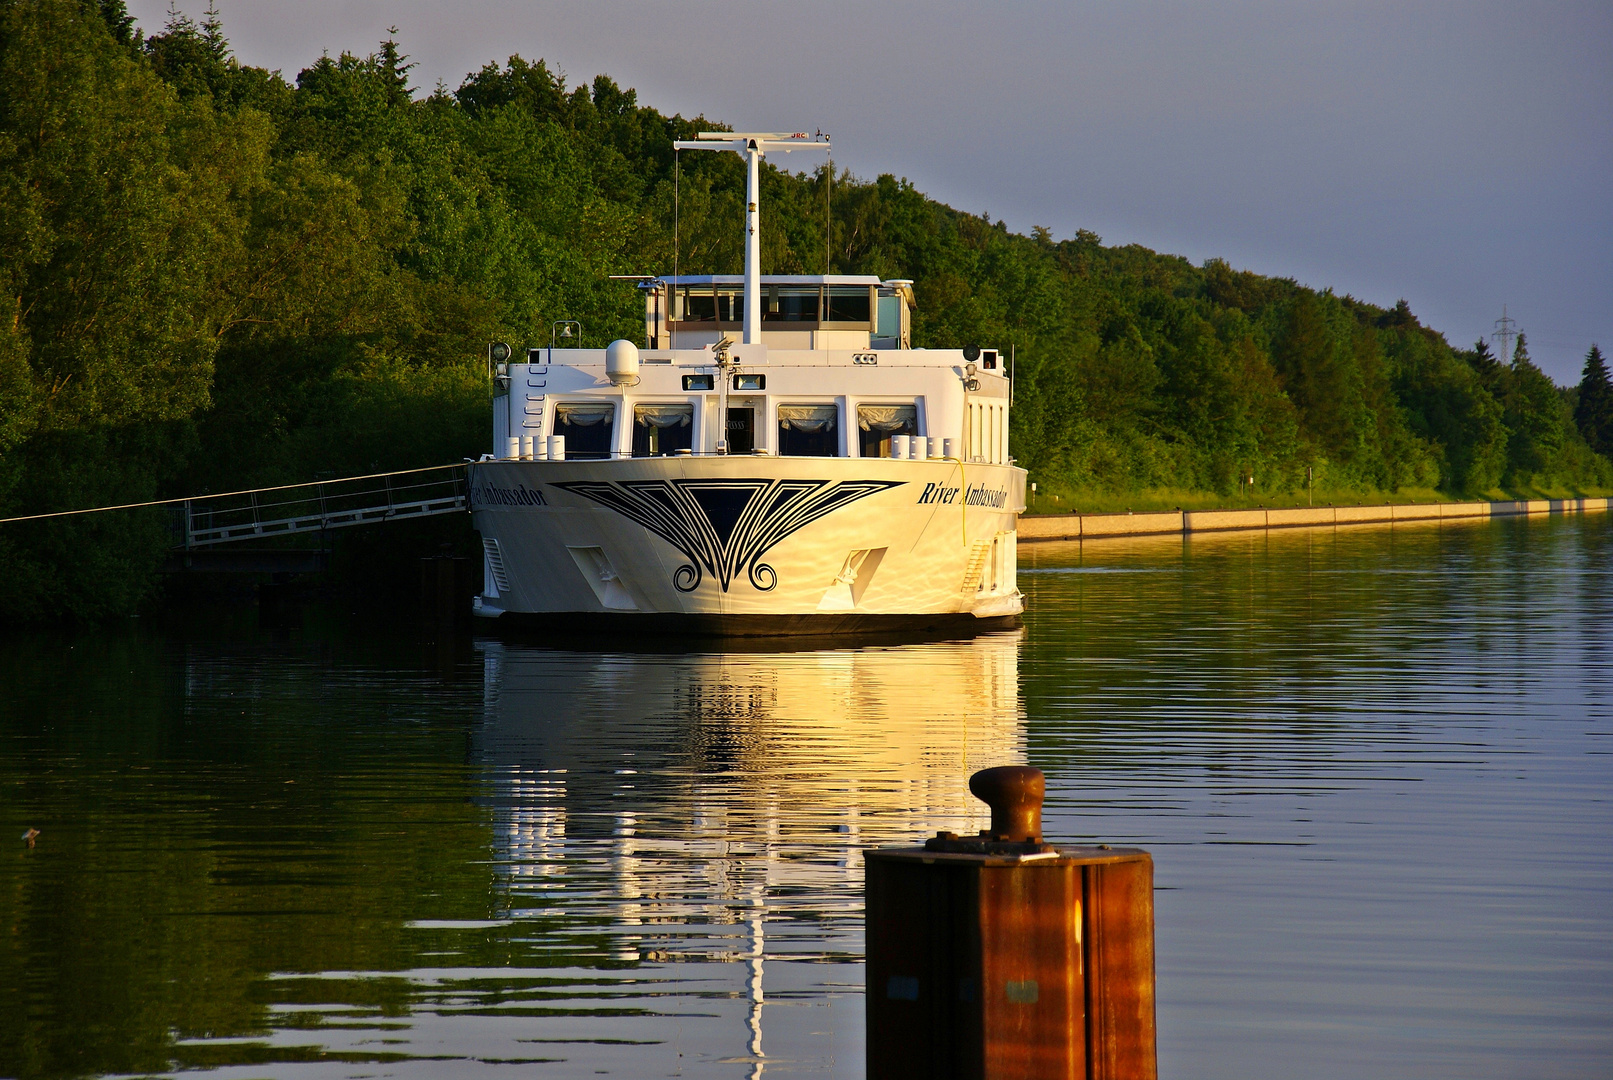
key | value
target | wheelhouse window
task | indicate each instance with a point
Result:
(808, 430)
(811, 304)
(659, 430)
(703, 304)
(877, 423)
(849, 304)
(791, 305)
(588, 427)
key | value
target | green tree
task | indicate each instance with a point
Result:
(1446, 403)
(1482, 361)
(1533, 417)
(122, 202)
(1593, 412)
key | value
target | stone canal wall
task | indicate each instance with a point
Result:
(1095, 526)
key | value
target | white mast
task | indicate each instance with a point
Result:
(753, 144)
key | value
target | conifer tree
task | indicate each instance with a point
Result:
(394, 69)
(1484, 362)
(1593, 414)
(1533, 416)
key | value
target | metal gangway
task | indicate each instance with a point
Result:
(204, 521)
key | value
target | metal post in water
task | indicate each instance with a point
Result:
(1000, 955)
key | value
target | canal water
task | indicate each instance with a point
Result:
(1374, 768)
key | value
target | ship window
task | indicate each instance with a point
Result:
(699, 307)
(808, 431)
(889, 323)
(588, 427)
(662, 429)
(848, 304)
(784, 305)
(703, 304)
(877, 423)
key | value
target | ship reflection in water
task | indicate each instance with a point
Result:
(695, 821)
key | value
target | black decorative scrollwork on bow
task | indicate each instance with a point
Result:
(724, 527)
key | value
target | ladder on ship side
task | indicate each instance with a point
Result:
(975, 569)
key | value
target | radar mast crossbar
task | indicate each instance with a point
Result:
(753, 145)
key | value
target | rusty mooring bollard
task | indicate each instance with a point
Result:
(1002, 956)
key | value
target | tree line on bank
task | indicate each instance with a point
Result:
(220, 278)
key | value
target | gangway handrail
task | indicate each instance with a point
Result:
(202, 521)
(226, 494)
(337, 503)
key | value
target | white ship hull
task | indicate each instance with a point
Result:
(749, 544)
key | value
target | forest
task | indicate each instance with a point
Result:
(219, 277)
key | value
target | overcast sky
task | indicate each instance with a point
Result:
(1459, 155)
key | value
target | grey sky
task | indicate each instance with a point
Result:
(1458, 155)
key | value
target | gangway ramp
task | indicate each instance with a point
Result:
(203, 521)
(259, 513)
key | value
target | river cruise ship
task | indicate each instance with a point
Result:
(774, 458)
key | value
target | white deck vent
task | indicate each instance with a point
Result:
(495, 564)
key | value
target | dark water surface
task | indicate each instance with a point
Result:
(1373, 767)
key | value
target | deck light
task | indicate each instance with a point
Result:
(498, 355)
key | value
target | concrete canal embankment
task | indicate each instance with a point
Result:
(1096, 526)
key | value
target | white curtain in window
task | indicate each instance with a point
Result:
(663, 416)
(807, 418)
(885, 418)
(583, 414)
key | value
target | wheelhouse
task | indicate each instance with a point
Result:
(798, 312)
